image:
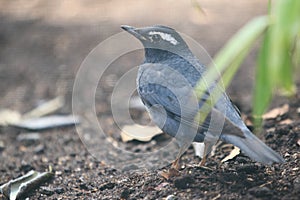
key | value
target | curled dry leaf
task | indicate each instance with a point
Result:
(286, 121)
(12, 117)
(235, 151)
(161, 186)
(8, 117)
(45, 108)
(276, 112)
(20, 187)
(51, 121)
(138, 132)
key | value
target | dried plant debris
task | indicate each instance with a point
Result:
(34, 119)
(235, 151)
(8, 117)
(29, 136)
(140, 133)
(20, 187)
(276, 112)
(47, 122)
(286, 121)
(45, 108)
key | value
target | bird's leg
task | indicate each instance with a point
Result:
(175, 163)
(203, 161)
(173, 170)
(207, 150)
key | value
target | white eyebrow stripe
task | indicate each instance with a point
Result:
(165, 36)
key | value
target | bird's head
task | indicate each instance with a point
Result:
(158, 37)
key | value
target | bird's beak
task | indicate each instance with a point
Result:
(133, 31)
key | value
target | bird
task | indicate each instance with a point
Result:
(166, 83)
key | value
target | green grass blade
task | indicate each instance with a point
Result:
(262, 89)
(230, 57)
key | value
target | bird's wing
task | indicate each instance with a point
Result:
(162, 85)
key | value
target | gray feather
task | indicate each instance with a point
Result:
(253, 147)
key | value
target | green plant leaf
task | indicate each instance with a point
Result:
(262, 88)
(275, 68)
(229, 59)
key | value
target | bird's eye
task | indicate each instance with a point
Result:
(155, 38)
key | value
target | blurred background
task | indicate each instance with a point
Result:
(43, 43)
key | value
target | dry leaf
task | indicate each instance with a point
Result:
(286, 121)
(20, 187)
(51, 121)
(45, 108)
(235, 151)
(161, 186)
(138, 132)
(11, 117)
(167, 174)
(272, 129)
(216, 197)
(276, 112)
(8, 117)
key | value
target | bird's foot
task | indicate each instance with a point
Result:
(202, 164)
(175, 165)
(203, 161)
(172, 172)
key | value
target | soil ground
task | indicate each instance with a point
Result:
(42, 46)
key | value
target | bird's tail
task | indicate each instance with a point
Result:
(253, 147)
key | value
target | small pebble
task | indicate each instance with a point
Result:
(50, 191)
(170, 197)
(247, 168)
(47, 191)
(125, 194)
(130, 167)
(260, 192)
(297, 183)
(241, 159)
(29, 137)
(39, 149)
(84, 186)
(108, 186)
(59, 190)
(26, 166)
(184, 182)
